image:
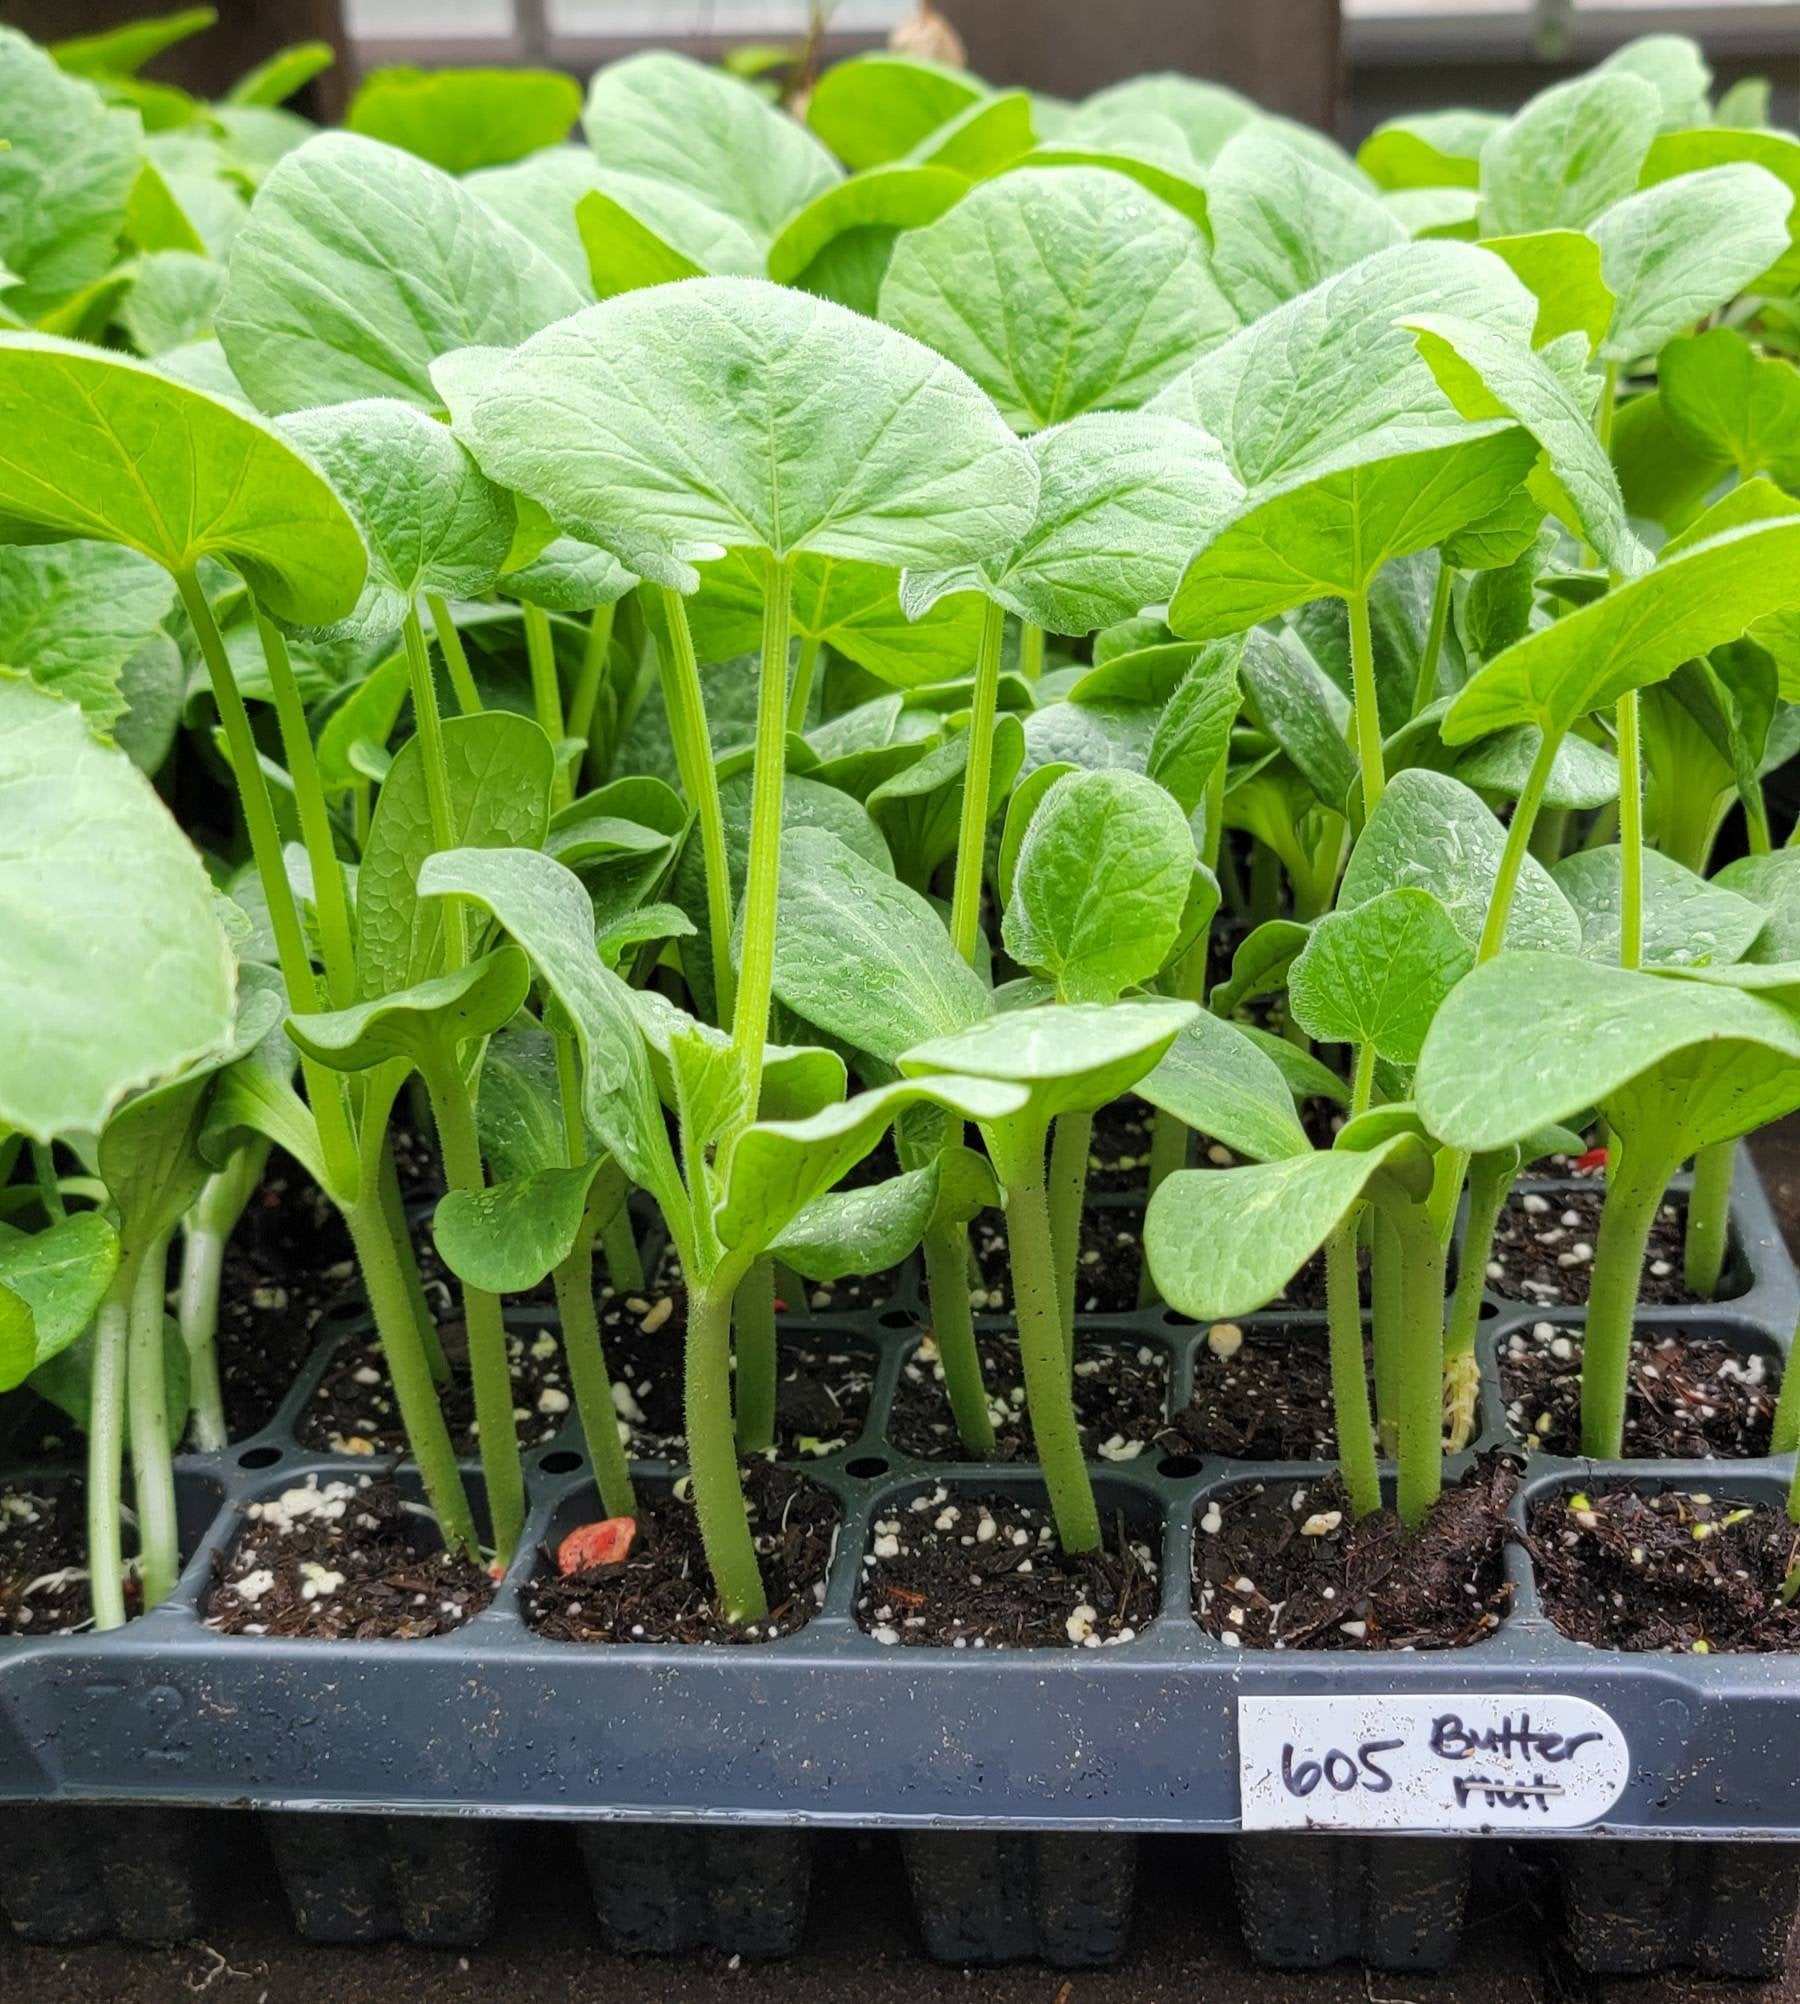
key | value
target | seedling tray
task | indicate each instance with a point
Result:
(829, 1727)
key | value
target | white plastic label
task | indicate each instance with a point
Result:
(1419, 1762)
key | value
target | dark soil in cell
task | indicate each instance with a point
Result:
(859, 1293)
(1283, 1566)
(1679, 1571)
(1119, 1150)
(1690, 1398)
(1307, 1290)
(353, 1409)
(1259, 1395)
(986, 1572)
(1107, 1267)
(43, 1562)
(342, 1561)
(268, 1318)
(1543, 1249)
(661, 1591)
(1121, 1400)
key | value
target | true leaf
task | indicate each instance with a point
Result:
(1431, 832)
(1021, 284)
(1691, 152)
(730, 414)
(96, 445)
(1731, 404)
(361, 265)
(1573, 151)
(463, 119)
(537, 196)
(1099, 885)
(1674, 65)
(1376, 972)
(73, 614)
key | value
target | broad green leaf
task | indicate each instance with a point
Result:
(1678, 251)
(1223, 1242)
(66, 176)
(361, 265)
(506, 1238)
(875, 108)
(537, 196)
(500, 769)
(73, 614)
(871, 209)
(1772, 883)
(124, 50)
(1746, 102)
(1099, 885)
(875, 1226)
(116, 971)
(732, 414)
(1677, 69)
(1306, 1077)
(276, 78)
(1194, 729)
(1575, 150)
(1681, 153)
(463, 119)
(669, 119)
(1329, 381)
(431, 1018)
(1260, 964)
(1378, 971)
(1690, 602)
(1687, 921)
(863, 958)
(1281, 224)
(1430, 831)
(1073, 1057)
(983, 139)
(777, 1168)
(1059, 290)
(365, 717)
(1562, 270)
(433, 522)
(1486, 377)
(1090, 735)
(1123, 498)
(98, 446)
(569, 576)
(1532, 1038)
(1432, 149)
(1200, 116)
(1216, 1079)
(542, 906)
(1327, 537)
(60, 1276)
(1732, 405)
(519, 1108)
(853, 608)
(1581, 775)
(638, 232)
(172, 300)
(919, 810)
(1663, 477)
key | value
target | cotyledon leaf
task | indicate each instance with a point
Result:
(73, 614)
(1377, 972)
(1216, 1080)
(1571, 153)
(1687, 922)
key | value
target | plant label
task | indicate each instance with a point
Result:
(1461, 1761)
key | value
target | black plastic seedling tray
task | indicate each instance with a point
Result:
(388, 1771)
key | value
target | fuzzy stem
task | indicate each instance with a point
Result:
(147, 1399)
(624, 1263)
(1518, 841)
(43, 1168)
(584, 698)
(1350, 1373)
(1045, 1352)
(1490, 1177)
(753, 1315)
(546, 686)
(1387, 1304)
(1212, 833)
(712, 1459)
(1421, 1404)
(437, 778)
(800, 696)
(978, 774)
(106, 1444)
(762, 870)
(1709, 1219)
(205, 1234)
(590, 1379)
(685, 706)
(402, 1342)
(1550, 837)
(1070, 1141)
(331, 900)
(1368, 706)
(456, 657)
(490, 1374)
(326, 1090)
(953, 1327)
(1632, 1198)
(1425, 688)
(1631, 834)
(393, 1208)
(1031, 650)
